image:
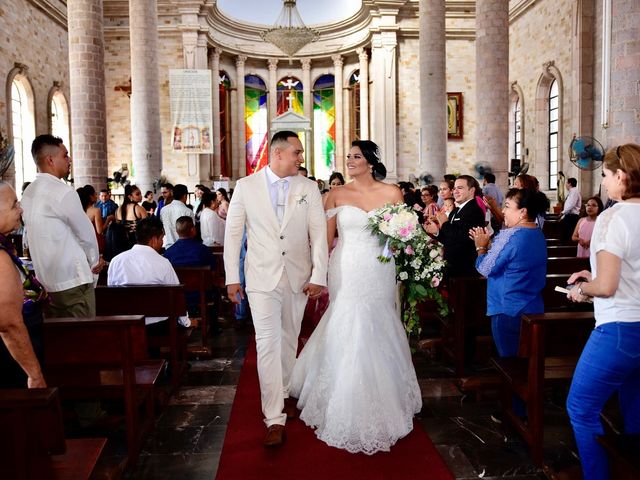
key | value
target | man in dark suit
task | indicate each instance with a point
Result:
(453, 230)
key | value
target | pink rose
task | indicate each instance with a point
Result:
(409, 250)
(387, 217)
(435, 281)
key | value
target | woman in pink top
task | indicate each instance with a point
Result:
(584, 227)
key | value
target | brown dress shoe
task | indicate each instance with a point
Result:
(290, 408)
(275, 436)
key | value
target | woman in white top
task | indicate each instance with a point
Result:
(211, 224)
(610, 361)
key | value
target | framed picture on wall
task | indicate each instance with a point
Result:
(454, 115)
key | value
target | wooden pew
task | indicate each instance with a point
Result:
(32, 443)
(567, 264)
(622, 449)
(105, 357)
(550, 345)
(218, 252)
(201, 280)
(561, 251)
(552, 229)
(152, 301)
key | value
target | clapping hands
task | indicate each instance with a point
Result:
(480, 237)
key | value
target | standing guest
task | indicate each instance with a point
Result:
(571, 210)
(584, 228)
(172, 212)
(166, 197)
(211, 224)
(62, 240)
(445, 191)
(303, 171)
(21, 297)
(491, 189)
(286, 262)
(107, 207)
(149, 204)
(515, 264)
(88, 196)
(130, 213)
(336, 180)
(198, 192)
(610, 361)
(223, 201)
(453, 230)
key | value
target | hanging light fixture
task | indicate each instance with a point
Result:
(289, 33)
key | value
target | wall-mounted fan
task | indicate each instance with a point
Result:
(518, 168)
(481, 169)
(586, 153)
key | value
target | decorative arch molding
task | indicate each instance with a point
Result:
(516, 95)
(540, 162)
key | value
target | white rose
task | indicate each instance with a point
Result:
(403, 275)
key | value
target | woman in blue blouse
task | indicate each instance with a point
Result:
(515, 264)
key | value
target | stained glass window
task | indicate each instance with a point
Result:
(290, 87)
(225, 124)
(554, 99)
(324, 127)
(256, 123)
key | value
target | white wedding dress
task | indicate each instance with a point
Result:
(354, 378)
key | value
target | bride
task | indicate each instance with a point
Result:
(354, 379)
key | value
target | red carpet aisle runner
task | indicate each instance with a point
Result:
(304, 457)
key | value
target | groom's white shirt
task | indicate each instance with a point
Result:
(298, 245)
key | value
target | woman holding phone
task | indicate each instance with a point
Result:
(610, 361)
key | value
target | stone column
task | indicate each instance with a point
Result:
(337, 65)
(86, 86)
(204, 160)
(433, 88)
(146, 135)
(215, 96)
(273, 89)
(492, 83)
(364, 93)
(383, 99)
(240, 158)
(306, 88)
(341, 163)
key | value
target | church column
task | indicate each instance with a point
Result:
(146, 135)
(204, 160)
(492, 83)
(86, 83)
(337, 65)
(215, 97)
(240, 162)
(341, 164)
(273, 89)
(433, 89)
(383, 98)
(364, 93)
(306, 87)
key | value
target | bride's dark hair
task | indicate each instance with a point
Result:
(371, 153)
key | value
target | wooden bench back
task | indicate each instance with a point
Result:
(195, 278)
(567, 264)
(107, 340)
(561, 251)
(563, 334)
(147, 300)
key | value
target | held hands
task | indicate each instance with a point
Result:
(442, 217)
(312, 290)
(481, 238)
(235, 293)
(431, 227)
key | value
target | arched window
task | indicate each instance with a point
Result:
(290, 90)
(60, 117)
(354, 105)
(324, 132)
(23, 130)
(256, 123)
(225, 124)
(554, 110)
(517, 132)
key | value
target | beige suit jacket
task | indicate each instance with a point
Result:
(299, 245)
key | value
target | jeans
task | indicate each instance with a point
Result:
(610, 362)
(506, 334)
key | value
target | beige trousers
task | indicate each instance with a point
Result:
(277, 317)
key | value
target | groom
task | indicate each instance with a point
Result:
(286, 262)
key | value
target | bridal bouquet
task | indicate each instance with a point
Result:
(418, 258)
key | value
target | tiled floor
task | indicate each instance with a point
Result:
(189, 433)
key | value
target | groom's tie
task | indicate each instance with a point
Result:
(281, 200)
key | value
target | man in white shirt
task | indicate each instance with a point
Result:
(61, 238)
(571, 210)
(143, 264)
(172, 212)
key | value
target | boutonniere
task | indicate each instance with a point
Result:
(300, 199)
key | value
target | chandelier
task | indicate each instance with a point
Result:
(289, 33)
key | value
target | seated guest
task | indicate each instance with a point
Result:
(188, 250)
(143, 265)
(21, 297)
(172, 212)
(584, 228)
(453, 230)
(211, 223)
